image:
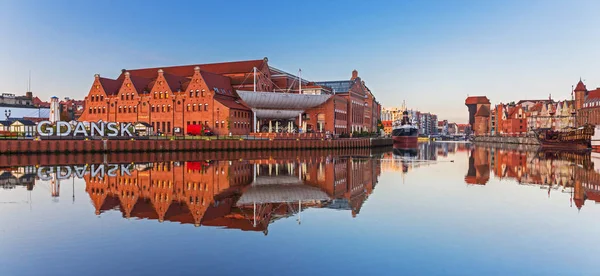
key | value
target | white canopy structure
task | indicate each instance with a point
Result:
(275, 105)
(280, 189)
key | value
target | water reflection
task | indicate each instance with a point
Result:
(575, 173)
(238, 194)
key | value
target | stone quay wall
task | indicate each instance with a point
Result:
(506, 140)
(115, 146)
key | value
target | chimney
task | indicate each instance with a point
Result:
(126, 74)
(354, 74)
(160, 72)
(96, 76)
(29, 95)
(197, 69)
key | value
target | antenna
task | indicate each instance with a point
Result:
(29, 82)
(299, 81)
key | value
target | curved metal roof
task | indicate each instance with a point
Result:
(276, 193)
(281, 101)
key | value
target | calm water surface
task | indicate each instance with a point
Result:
(444, 209)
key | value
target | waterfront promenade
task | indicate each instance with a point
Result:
(132, 145)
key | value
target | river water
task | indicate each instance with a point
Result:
(442, 209)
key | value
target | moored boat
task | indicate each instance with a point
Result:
(405, 134)
(572, 138)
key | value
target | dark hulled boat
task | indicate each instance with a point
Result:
(405, 134)
(573, 138)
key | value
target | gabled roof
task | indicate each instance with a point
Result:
(580, 86)
(477, 100)
(141, 84)
(175, 82)
(111, 87)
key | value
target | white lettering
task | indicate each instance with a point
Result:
(112, 170)
(125, 129)
(97, 129)
(60, 175)
(112, 130)
(80, 129)
(125, 169)
(59, 126)
(40, 128)
(98, 170)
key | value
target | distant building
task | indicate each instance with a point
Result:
(479, 114)
(54, 110)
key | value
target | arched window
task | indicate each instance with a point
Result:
(122, 97)
(194, 107)
(104, 110)
(188, 107)
(160, 95)
(216, 124)
(129, 109)
(197, 93)
(166, 95)
(90, 110)
(205, 107)
(163, 108)
(101, 98)
(135, 109)
(153, 108)
(120, 109)
(155, 95)
(202, 92)
(168, 108)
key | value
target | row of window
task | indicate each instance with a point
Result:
(97, 98)
(158, 95)
(97, 110)
(127, 96)
(125, 109)
(194, 107)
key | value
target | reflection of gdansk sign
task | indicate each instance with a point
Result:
(66, 172)
(111, 129)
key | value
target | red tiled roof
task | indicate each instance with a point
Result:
(188, 70)
(213, 80)
(594, 94)
(141, 84)
(231, 102)
(175, 82)
(110, 86)
(580, 86)
(536, 107)
(477, 100)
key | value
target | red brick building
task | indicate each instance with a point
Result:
(510, 119)
(479, 114)
(171, 98)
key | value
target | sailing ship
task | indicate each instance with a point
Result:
(404, 133)
(569, 138)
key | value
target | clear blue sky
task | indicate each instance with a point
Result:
(430, 53)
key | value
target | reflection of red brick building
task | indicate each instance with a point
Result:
(479, 167)
(207, 193)
(479, 114)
